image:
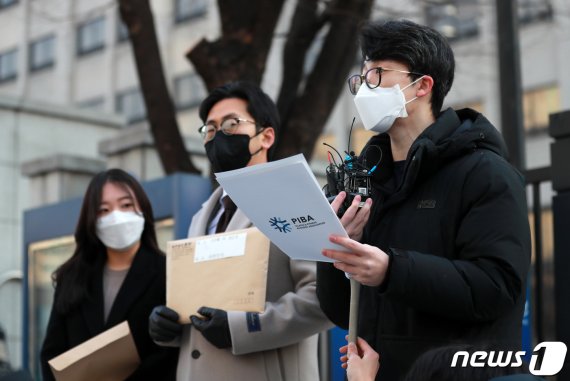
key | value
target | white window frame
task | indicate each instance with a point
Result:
(45, 47)
(185, 10)
(188, 82)
(134, 112)
(12, 72)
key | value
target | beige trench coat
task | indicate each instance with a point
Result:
(285, 349)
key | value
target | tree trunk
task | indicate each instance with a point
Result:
(305, 100)
(241, 52)
(161, 113)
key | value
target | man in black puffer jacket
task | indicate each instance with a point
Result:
(445, 249)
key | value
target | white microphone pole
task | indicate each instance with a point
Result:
(353, 314)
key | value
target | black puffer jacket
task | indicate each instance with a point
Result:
(458, 236)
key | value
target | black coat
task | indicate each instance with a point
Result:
(144, 288)
(457, 233)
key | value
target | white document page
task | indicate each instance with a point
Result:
(284, 200)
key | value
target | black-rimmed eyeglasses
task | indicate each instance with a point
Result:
(372, 78)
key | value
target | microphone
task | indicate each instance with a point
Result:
(351, 175)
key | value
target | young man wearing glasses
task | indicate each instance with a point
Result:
(240, 125)
(442, 248)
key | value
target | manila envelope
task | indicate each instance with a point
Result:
(109, 356)
(226, 271)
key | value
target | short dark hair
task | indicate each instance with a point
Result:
(259, 105)
(421, 48)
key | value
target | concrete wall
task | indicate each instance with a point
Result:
(30, 131)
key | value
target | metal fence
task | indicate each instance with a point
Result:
(534, 179)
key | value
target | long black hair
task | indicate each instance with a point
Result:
(74, 277)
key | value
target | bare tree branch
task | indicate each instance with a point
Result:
(304, 27)
(310, 111)
(305, 101)
(137, 16)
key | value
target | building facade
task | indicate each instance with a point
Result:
(76, 54)
(41, 142)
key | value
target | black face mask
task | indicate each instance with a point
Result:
(229, 152)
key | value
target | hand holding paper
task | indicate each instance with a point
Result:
(365, 263)
(163, 325)
(226, 271)
(214, 326)
(111, 356)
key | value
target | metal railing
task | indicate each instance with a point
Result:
(534, 178)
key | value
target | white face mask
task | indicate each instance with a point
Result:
(120, 230)
(378, 108)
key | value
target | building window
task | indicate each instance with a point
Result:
(188, 9)
(538, 104)
(91, 36)
(44, 258)
(130, 103)
(42, 53)
(8, 65)
(534, 10)
(7, 3)
(92, 104)
(189, 91)
(455, 19)
(122, 30)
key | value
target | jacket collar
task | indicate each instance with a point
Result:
(202, 218)
(429, 151)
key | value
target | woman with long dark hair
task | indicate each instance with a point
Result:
(116, 273)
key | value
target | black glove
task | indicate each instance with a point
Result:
(163, 325)
(214, 326)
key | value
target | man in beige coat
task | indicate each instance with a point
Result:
(240, 123)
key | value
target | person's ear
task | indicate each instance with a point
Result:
(267, 137)
(425, 85)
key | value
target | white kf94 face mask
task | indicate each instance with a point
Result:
(120, 230)
(378, 108)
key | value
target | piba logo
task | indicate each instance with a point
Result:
(547, 358)
(302, 220)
